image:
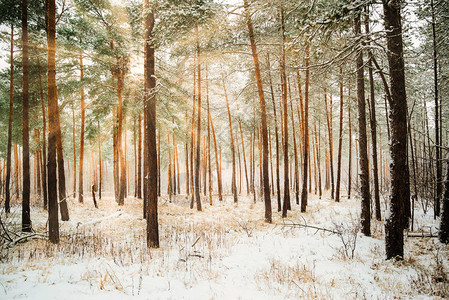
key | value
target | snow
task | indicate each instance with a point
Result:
(225, 252)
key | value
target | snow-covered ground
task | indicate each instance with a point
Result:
(224, 252)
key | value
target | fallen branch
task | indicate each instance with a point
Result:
(25, 237)
(305, 225)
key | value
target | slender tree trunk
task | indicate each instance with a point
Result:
(115, 156)
(53, 226)
(315, 172)
(169, 173)
(36, 163)
(373, 124)
(100, 163)
(271, 161)
(198, 130)
(350, 145)
(11, 101)
(125, 157)
(177, 170)
(135, 157)
(363, 154)
(233, 180)
(304, 193)
(439, 162)
(266, 182)
(318, 153)
(16, 170)
(340, 140)
(220, 191)
(151, 167)
(209, 170)
(192, 136)
(26, 219)
(204, 167)
(187, 163)
(329, 119)
(244, 157)
(260, 164)
(44, 136)
(139, 159)
(159, 161)
(74, 151)
(296, 178)
(278, 181)
(63, 207)
(121, 155)
(83, 119)
(174, 186)
(400, 185)
(285, 122)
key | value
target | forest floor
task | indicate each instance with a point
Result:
(225, 252)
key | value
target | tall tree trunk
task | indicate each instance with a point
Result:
(63, 207)
(363, 154)
(100, 163)
(26, 220)
(233, 180)
(198, 130)
(240, 169)
(36, 163)
(11, 101)
(115, 155)
(74, 151)
(121, 155)
(439, 162)
(83, 120)
(187, 162)
(192, 137)
(177, 170)
(135, 157)
(209, 170)
(174, 162)
(44, 137)
(399, 172)
(169, 173)
(373, 124)
(53, 222)
(340, 140)
(318, 155)
(151, 167)
(220, 190)
(204, 186)
(296, 178)
(159, 161)
(278, 181)
(350, 145)
(285, 121)
(266, 182)
(139, 159)
(244, 157)
(16, 170)
(125, 157)
(271, 161)
(329, 119)
(260, 163)
(304, 193)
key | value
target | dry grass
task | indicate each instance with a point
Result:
(112, 242)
